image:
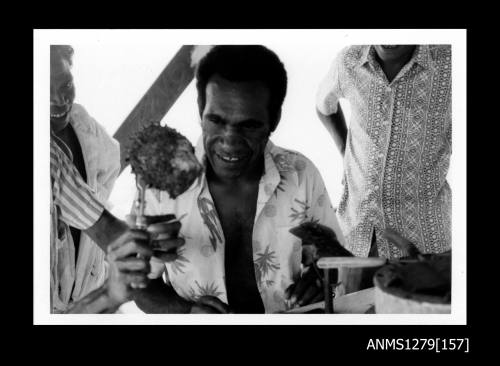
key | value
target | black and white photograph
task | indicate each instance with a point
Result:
(250, 176)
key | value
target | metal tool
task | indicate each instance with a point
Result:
(329, 263)
(140, 204)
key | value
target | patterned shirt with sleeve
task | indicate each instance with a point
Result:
(101, 154)
(398, 148)
(72, 203)
(291, 191)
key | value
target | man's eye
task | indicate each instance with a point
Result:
(214, 119)
(252, 125)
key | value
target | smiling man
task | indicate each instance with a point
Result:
(82, 231)
(96, 156)
(239, 255)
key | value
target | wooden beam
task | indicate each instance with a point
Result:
(159, 98)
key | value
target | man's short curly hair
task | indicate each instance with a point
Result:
(242, 63)
(58, 52)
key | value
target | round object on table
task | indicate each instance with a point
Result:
(418, 287)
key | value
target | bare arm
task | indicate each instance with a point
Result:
(127, 271)
(97, 302)
(336, 126)
(159, 298)
(106, 230)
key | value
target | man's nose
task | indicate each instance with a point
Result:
(232, 136)
(58, 99)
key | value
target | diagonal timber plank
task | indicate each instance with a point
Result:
(159, 98)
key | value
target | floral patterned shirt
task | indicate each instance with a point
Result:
(398, 148)
(291, 191)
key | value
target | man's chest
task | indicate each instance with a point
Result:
(413, 93)
(412, 112)
(236, 210)
(69, 141)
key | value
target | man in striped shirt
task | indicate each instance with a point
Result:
(73, 202)
(96, 156)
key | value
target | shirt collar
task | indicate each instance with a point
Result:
(420, 56)
(364, 55)
(80, 120)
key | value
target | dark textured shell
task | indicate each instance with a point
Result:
(155, 154)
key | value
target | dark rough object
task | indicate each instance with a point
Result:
(164, 159)
(158, 99)
(428, 279)
(318, 241)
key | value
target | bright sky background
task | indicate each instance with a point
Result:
(111, 78)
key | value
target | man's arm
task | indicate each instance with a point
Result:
(159, 298)
(336, 126)
(323, 227)
(96, 302)
(106, 230)
(127, 271)
(78, 204)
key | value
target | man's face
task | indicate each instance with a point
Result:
(236, 126)
(62, 93)
(393, 52)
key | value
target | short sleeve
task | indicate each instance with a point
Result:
(322, 210)
(329, 90)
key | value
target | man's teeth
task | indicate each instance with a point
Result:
(55, 115)
(231, 159)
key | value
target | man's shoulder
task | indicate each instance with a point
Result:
(288, 160)
(83, 119)
(440, 52)
(351, 55)
(85, 122)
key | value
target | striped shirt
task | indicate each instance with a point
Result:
(72, 203)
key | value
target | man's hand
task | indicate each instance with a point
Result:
(409, 249)
(210, 305)
(307, 290)
(128, 258)
(318, 241)
(164, 231)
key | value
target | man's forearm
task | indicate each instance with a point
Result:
(97, 302)
(158, 298)
(336, 126)
(107, 229)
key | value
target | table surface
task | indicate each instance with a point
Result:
(360, 302)
(350, 262)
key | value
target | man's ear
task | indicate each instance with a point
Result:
(199, 101)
